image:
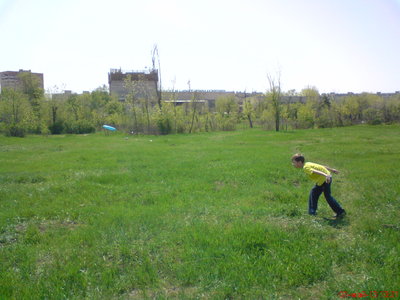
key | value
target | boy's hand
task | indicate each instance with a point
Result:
(335, 171)
(332, 170)
(328, 179)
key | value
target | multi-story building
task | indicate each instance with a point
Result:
(141, 84)
(14, 80)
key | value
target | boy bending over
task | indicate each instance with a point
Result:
(323, 179)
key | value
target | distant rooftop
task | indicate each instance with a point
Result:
(145, 71)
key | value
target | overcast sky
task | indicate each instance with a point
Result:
(334, 45)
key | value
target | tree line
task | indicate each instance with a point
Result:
(31, 111)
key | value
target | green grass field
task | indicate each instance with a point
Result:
(203, 216)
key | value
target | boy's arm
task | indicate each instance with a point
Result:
(332, 170)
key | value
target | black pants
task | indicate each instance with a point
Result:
(315, 192)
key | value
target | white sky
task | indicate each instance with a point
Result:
(334, 45)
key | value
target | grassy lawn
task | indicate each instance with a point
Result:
(209, 216)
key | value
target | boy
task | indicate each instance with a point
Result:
(322, 177)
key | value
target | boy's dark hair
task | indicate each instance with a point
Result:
(298, 157)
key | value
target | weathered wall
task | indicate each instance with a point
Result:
(143, 85)
(11, 79)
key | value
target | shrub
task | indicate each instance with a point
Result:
(15, 130)
(80, 127)
(164, 126)
(373, 116)
(227, 122)
(375, 122)
(44, 130)
(57, 127)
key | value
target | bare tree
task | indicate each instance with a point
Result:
(155, 56)
(275, 93)
(248, 109)
(173, 98)
(194, 107)
(132, 88)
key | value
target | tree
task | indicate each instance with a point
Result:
(98, 102)
(351, 110)
(392, 111)
(74, 106)
(311, 93)
(226, 105)
(131, 99)
(260, 105)
(114, 111)
(155, 56)
(15, 112)
(30, 86)
(99, 98)
(275, 97)
(305, 116)
(194, 109)
(55, 103)
(56, 125)
(227, 108)
(248, 110)
(173, 98)
(139, 96)
(290, 108)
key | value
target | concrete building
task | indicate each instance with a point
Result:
(62, 96)
(13, 79)
(208, 97)
(200, 103)
(143, 84)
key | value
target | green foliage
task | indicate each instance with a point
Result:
(79, 127)
(99, 98)
(249, 111)
(227, 122)
(274, 97)
(30, 87)
(57, 127)
(30, 112)
(164, 119)
(16, 130)
(305, 116)
(15, 112)
(267, 120)
(324, 119)
(373, 116)
(311, 93)
(226, 105)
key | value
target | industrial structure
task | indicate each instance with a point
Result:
(139, 84)
(210, 96)
(14, 80)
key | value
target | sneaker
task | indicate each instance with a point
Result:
(340, 215)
